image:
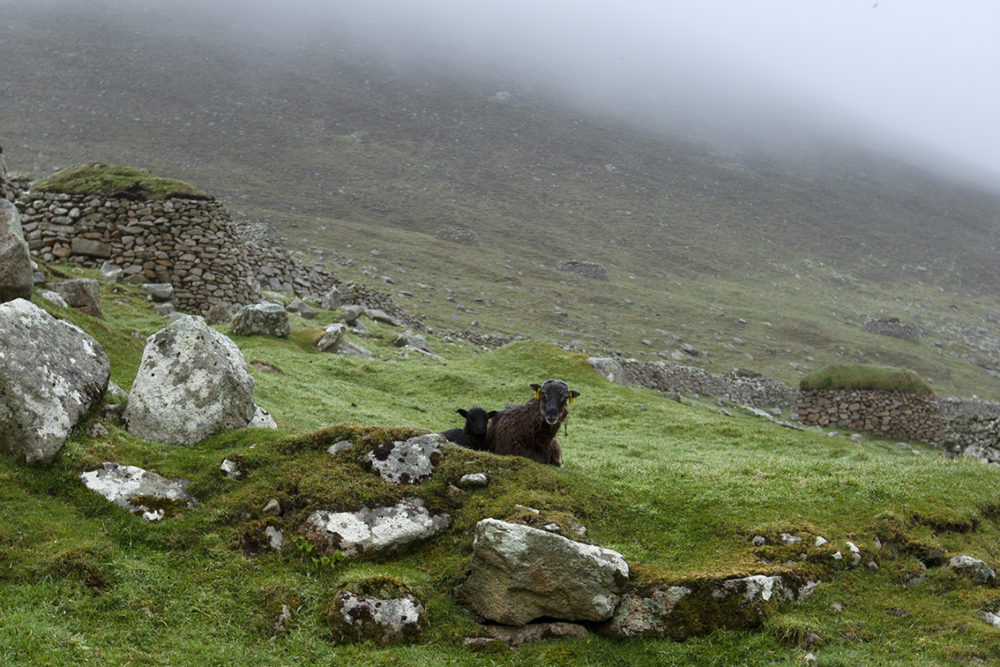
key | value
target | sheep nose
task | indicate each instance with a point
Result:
(552, 420)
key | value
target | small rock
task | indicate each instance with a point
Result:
(272, 508)
(338, 447)
(973, 569)
(274, 537)
(475, 480)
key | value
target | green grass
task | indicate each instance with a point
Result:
(865, 376)
(678, 489)
(110, 181)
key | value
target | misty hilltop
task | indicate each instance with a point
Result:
(757, 243)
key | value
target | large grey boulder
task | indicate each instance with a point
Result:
(84, 294)
(146, 494)
(519, 573)
(192, 383)
(382, 530)
(261, 319)
(16, 279)
(51, 375)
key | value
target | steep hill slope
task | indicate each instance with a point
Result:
(756, 258)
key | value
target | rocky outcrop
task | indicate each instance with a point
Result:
(16, 280)
(519, 574)
(141, 492)
(902, 415)
(192, 383)
(51, 375)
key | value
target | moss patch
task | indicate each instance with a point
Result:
(96, 178)
(865, 376)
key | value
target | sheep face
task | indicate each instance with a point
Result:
(476, 420)
(553, 396)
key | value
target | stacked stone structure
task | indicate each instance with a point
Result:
(975, 435)
(891, 326)
(192, 244)
(908, 416)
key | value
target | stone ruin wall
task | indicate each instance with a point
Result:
(908, 416)
(193, 244)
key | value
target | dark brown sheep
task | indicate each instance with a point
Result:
(529, 429)
(473, 434)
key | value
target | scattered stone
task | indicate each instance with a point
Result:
(53, 297)
(349, 349)
(272, 508)
(83, 294)
(534, 632)
(16, 272)
(283, 620)
(189, 369)
(519, 573)
(141, 492)
(232, 469)
(475, 480)
(331, 339)
(382, 530)
(648, 615)
(302, 308)
(338, 446)
(410, 339)
(261, 319)
(972, 569)
(158, 292)
(759, 540)
(379, 315)
(788, 539)
(218, 313)
(820, 541)
(350, 313)
(406, 462)
(378, 610)
(690, 349)
(164, 309)
(97, 430)
(275, 538)
(110, 273)
(51, 375)
(332, 299)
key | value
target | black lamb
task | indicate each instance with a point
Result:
(529, 429)
(473, 434)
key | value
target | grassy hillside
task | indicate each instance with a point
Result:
(678, 488)
(770, 260)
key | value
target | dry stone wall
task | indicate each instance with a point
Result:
(909, 416)
(977, 436)
(192, 244)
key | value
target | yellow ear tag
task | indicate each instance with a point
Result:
(538, 393)
(571, 400)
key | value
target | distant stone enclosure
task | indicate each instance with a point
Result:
(193, 244)
(908, 416)
(588, 269)
(892, 326)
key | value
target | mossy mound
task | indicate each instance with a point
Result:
(96, 178)
(865, 376)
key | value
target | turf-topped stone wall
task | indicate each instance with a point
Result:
(192, 244)
(893, 413)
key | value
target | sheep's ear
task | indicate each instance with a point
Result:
(462, 412)
(491, 414)
(538, 390)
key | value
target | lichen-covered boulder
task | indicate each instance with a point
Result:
(141, 492)
(973, 569)
(379, 610)
(519, 574)
(406, 462)
(382, 530)
(51, 375)
(331, 339)
(16, 272)
(192, 383)
(84, 294)
(261, 319)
